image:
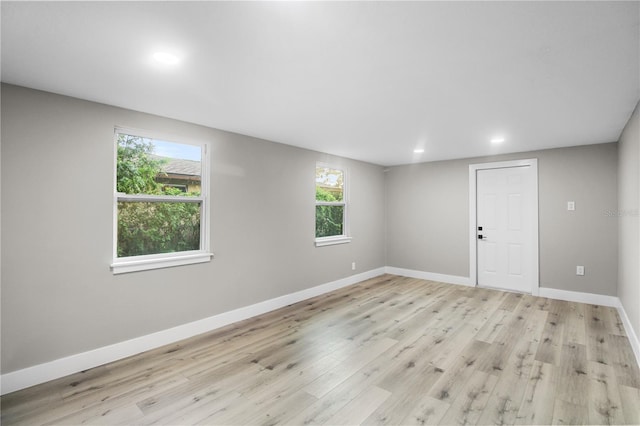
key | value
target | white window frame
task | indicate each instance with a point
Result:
(127, 264)
(345, 237)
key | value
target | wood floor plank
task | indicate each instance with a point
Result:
(452, 344)
(214, 384)
(91, 403)
(624, 361)
(192, 408)
(574, 328)
(510, 301)
(505, 400)
(599, 347)
(220, 415)
(536, 407)
(28, 403)
(408, 362)
(346, 391)
(551, 344)
(504, 343)
(389, 350)
(361, 407)
(125, 414)
(573, 376)
(630, 398)
(292, 379)
(396, 406)
(454, 379)
(418, 375)
(605, 405)
(618, 324)
(534, 328)
(566, 413)
(428, 411)
(601, 318)
(278, 411)
(493, 326)
(348, 367)
(471, 401)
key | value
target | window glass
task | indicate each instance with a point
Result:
(329, 184)
(329, 221)
(330, 202)
(148, 166)
(152, 228)
(159, 197)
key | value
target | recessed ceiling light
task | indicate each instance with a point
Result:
(418, 150)
(497, 140)
(166, 58)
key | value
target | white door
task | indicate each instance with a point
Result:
(505, 228)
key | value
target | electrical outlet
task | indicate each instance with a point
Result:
(353, 266)
(579, 270)
(571, 205)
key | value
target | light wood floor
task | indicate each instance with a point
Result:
(390, 350)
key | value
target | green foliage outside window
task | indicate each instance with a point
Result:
(151, 227)
(330, 202)
(329, 219)
(136, 169)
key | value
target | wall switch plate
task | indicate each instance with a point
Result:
(579, 270)
(353, 266)
(571, 205)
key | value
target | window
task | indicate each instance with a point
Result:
(331, 206)
(160, 203)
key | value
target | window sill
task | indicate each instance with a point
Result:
(145, 264)
(329, 241)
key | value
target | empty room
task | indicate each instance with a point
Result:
(301, 213)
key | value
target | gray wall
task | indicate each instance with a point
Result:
(58, 295)
(629, 216)
(428, 216)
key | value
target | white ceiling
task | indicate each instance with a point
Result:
(370, 81)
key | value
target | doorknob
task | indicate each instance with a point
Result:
(480, 237)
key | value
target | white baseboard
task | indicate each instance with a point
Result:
(631, 333)
(41, 373)
(576, 296)
(431, 276)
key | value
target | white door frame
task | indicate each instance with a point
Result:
(473, 235)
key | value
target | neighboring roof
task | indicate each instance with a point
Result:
(178, 166)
